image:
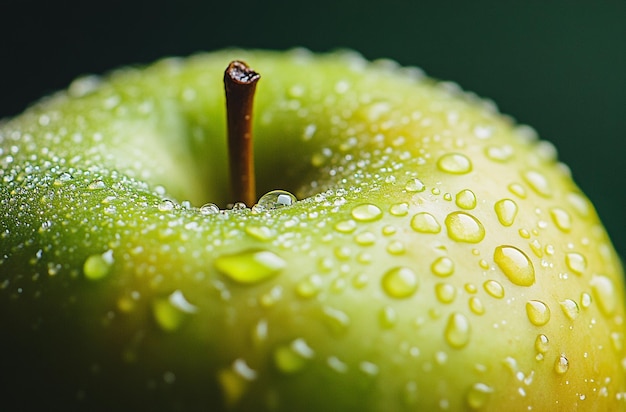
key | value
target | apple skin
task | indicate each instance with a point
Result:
(440, 257)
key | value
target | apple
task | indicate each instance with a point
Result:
(414, 249)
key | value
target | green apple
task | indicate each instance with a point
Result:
(438, 257)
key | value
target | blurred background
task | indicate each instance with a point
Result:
(559, 66)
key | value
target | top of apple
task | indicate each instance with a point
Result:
(439, 255)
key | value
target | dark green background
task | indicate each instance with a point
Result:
(559, 66)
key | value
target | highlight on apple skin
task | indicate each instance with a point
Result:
(439, 256)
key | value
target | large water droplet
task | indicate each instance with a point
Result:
(506, 211)
(458, 330)
(515, 265)
(209, 209)
(464, 227)
(400, 282)
(366, 212)
(466, 199)
(250, 266)
(538, 183)
(478, 396)
(442, 266)
(494, 289)
(570, 308)
(454, 163)
(538, 312)
(98, 266)
(561, 219)
(424, 222)
(276, 199)
(576, 263)
(604, 292)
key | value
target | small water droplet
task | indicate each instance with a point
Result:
(442, 266)
(399, 209)
(506, 211)
(345, 226)
(276, 199)
(454, 163)
(478, 396)
(499, 153)
(494, 289)
(414, 185)
(424, 222)
(445, 292)
(98, 266)
(166, 205)
(576, 263)
(515, 265)
(262, 233)
(542, 343)
(570, 308)
(604, 292)
(387, 317)
(209, 209)
(97, 185)
(309, 286)
(293, 357)
(466, 199)
(366, 213)
(585, 300)
(336, 320)
(476, 305)
(561, 219)
(458, 330)
(63, 178)
(518, 190)
(538, 183)
(538, 312)
(365, 239)
(561, 365)
(464, 227)
(395, 247)
(250, 266)
(400, 282)
(170, 312)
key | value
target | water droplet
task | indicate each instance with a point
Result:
(98, 266)
(561, 219)
(209, 209)
(166, 205)
(395, 247)
(346, 226)
(442, 266)
(97, 185)
(365, 239)
(576, 263)
(580, 203)
(399, 209)
(542, 343)
(388, 317)
(537, 182)
(454, 163)
(499, 153)
(414, 185)
(466, 199)
(585, 300)
(63, 178)
(518, 190)
(309, 286)
(506, 210)
(276, 199)
(250, 266)
(604, 293)
(494, 289)
(424, 222)
(478, 396)
(262, 233)
(400, 282)
(293, 357)
(561, 365)
(476, 305)
(445, 292)
(366, 213)
(515, 265)
(458, 331)
(170, 312)
(464, 227)
(570, 308)
(538, 312)
(337, 320)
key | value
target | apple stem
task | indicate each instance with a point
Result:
(240, 85)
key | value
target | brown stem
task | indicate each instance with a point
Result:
(240, 84)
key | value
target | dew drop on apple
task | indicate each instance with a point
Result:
(445, 292)
(388, 317)
(170, 312)
(604, 293)
(276, 199)
(499, 153)
(166, 205)
(293, 357)
(570, 308)
(466, 199)
(538, 183)
(366, 212)
(506, 211)
(400, 282)
(542, 343)
(336, 320)
(443, 266)
(365, 239)
(458, 331)
(515, 264)
(98, 266)
(538, 312)
(63, 178)
(414, 185)
(494, 289)
(396, 247)
(209, 209)
(476, 305)
(464, 227)
(478, 396)
(585, 300)
(561, 219)
(262, 233)
(97, 185)
(424, 222)
(399, 209)
(561, 365)
(250, 266)
(454, 163)
(346, 226)
(310, 286)
(576, 263)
